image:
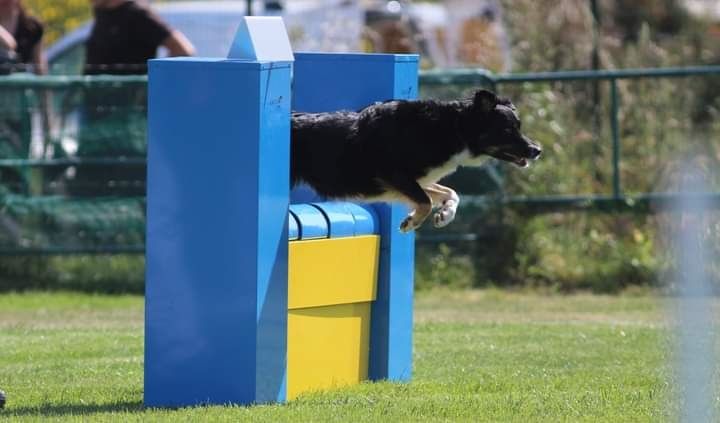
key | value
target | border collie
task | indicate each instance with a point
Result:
(398, 150)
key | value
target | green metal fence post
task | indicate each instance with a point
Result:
(596, 93)
(615, 127)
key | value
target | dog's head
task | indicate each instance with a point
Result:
(492, 127)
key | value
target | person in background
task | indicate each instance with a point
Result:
(20, 39)
(125, 35)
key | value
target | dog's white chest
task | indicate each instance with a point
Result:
(463, 158)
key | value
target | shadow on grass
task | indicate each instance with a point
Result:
(50, 410)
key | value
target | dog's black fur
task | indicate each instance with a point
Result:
(398, 149)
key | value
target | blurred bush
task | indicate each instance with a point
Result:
(60, 17)
(107, 274)
(664, 123)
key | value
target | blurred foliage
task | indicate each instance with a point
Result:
(60, 17)
(444, 266)
(664, 124)
(630, 33)
(581, 250)
(108, 274)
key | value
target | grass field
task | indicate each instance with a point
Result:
(479, 356)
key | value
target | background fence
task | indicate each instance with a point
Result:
(596, 106)
(72, 150)
(592, 212)
(72, 164)
(72, 171)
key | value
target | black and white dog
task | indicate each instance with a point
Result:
(398, 150)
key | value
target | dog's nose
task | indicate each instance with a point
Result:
(535, 151)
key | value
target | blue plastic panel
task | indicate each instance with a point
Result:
(302, 193)
(328, 82)
(366, 220)
(392, 311)
(217, 232)
(293, 228)
(313, 223)
(340, 220)
(331, 81)
(391, 332)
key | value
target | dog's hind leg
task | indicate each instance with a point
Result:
(416, 197)
(448, 201)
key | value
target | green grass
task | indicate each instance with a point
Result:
(479, 356)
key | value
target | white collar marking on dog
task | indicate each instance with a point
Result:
(464, 158)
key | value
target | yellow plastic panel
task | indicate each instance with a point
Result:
(332, 271)
(327, 347)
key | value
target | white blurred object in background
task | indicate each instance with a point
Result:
(691, 231)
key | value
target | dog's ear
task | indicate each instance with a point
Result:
(485, 101)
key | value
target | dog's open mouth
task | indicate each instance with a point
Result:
(521, 162)
(516, 160)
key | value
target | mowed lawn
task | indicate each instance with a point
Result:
(479, 356)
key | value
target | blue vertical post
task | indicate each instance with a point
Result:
(328, 82)
(217, 243)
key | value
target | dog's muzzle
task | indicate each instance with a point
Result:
(535, 151)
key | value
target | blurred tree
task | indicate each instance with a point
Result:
(665, 17)
(59, 17)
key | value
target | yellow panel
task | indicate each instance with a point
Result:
(332, 271)
(327, 347)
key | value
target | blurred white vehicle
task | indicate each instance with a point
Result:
(453, 33)
(331, 25)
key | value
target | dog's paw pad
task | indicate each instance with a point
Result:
(408, 225)
(443, 217)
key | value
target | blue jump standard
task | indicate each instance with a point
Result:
(219, 218)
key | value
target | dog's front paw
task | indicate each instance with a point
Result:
(445, 215)
(406, 225)
(409, 224)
